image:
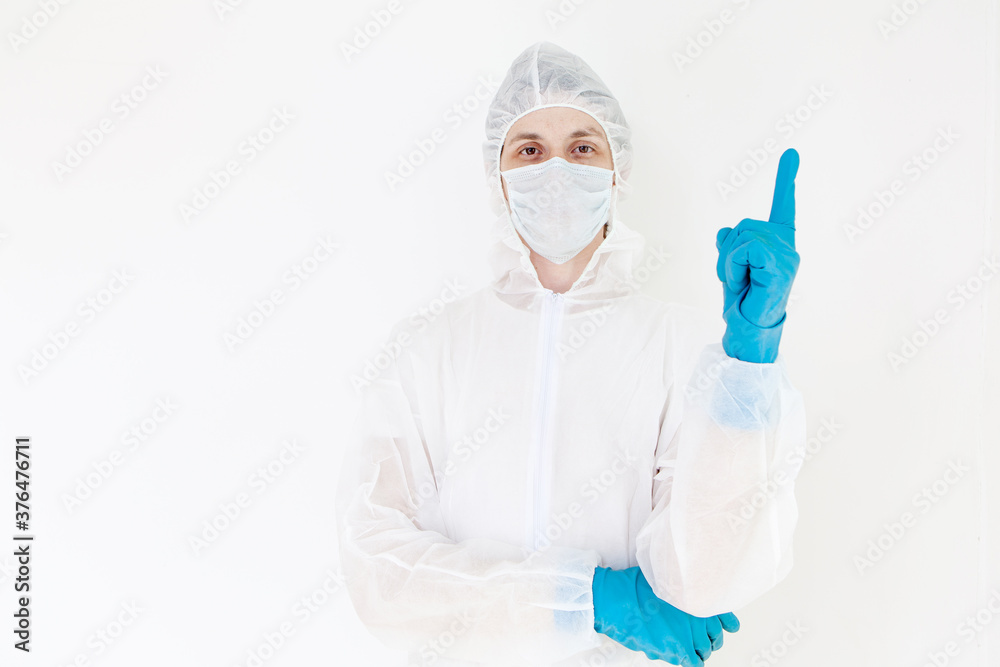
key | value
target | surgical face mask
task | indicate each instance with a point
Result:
(558, 207)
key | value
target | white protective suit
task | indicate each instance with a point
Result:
(524, 437)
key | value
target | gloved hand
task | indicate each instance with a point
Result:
(757, 263)
(626, 610)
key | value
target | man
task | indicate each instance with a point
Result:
(558, 468)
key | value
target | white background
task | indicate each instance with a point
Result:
(162, 336)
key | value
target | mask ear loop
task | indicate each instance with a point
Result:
(612, 211)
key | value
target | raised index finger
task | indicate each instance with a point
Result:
(783, 204)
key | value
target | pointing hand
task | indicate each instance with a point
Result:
(757, 264)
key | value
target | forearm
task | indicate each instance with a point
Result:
(418, 590)
(720, 534)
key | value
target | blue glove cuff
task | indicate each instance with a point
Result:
(746, 341)
(601, 597)
(613, 592)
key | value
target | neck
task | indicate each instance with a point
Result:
(560, 277)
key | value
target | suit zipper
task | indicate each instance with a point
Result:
(541, 473)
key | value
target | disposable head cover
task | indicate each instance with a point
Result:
(546, 75)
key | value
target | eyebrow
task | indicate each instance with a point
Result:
(576, 134)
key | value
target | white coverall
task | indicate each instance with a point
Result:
(525, 437)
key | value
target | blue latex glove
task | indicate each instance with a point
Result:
(626, 610)
(757, 263)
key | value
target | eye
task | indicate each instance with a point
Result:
(590, 149)
(528, 148)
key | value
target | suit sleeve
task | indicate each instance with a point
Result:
(729, 450)
(417, 590)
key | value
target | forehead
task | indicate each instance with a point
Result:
(555, 123)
